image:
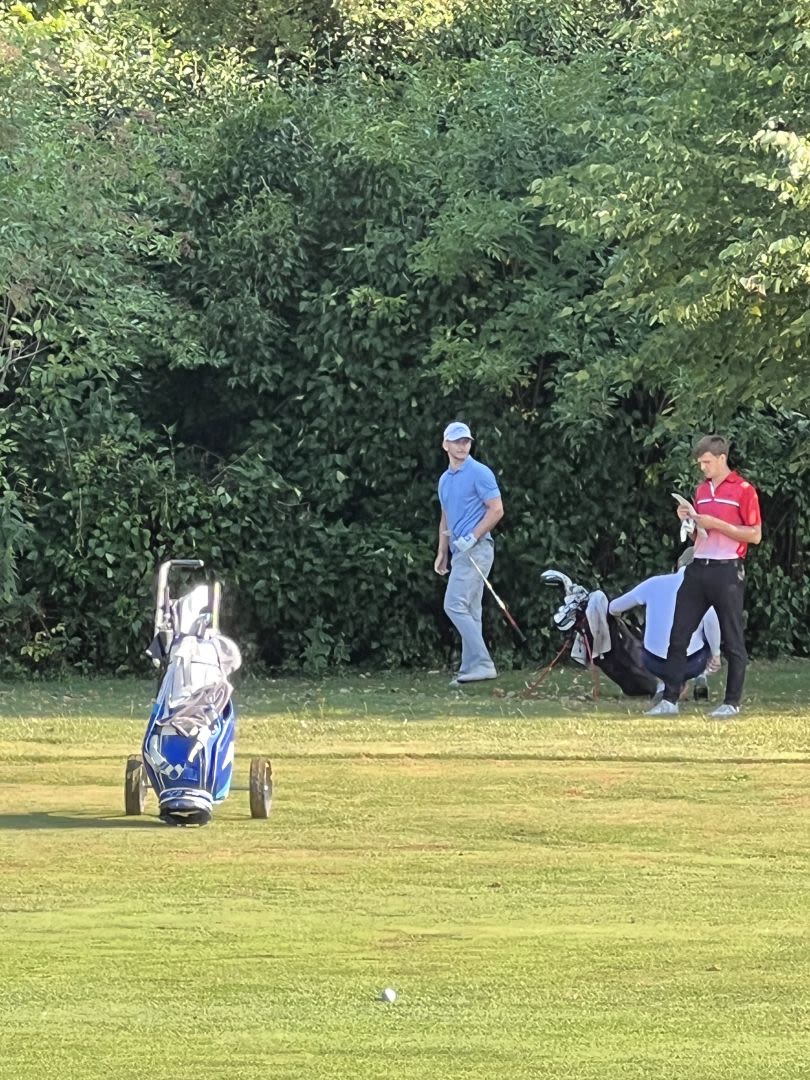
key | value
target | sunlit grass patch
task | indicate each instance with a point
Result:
(555, 886)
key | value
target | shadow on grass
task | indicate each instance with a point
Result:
(46, 820)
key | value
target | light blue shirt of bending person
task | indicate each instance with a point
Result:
(659, 594)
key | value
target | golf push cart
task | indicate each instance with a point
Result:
(188, 749)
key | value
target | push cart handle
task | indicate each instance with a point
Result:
(161, 588)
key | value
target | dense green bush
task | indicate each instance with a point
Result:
(241, 293)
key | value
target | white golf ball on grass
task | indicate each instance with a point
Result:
(388, 994)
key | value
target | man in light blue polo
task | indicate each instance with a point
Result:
(471, 507)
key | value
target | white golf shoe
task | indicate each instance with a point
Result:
(724, 711)
(663, 708)
(479, 675)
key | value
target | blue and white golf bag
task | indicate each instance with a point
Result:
(188, 748)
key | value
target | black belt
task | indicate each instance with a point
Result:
(716, 562)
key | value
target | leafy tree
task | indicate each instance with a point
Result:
(249, 268)
(690, 187)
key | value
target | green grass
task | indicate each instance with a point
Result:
(555, 886)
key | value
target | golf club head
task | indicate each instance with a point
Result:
(565, 617)
(576, 597)
(557, 577)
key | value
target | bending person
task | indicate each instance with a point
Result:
(659, 595)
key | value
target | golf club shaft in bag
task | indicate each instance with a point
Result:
(507, 614)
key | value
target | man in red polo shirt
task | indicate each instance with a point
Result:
(726, 513)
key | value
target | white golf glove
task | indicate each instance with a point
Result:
(464, 543)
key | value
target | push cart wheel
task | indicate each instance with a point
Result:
(135, 786)
(261, 787)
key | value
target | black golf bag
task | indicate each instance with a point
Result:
(608, 641)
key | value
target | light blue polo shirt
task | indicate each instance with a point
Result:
(463, 492)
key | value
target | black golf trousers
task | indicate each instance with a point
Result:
(717, 584)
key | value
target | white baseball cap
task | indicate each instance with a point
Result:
(456, 430)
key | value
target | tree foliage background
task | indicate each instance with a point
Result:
(253, 257)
